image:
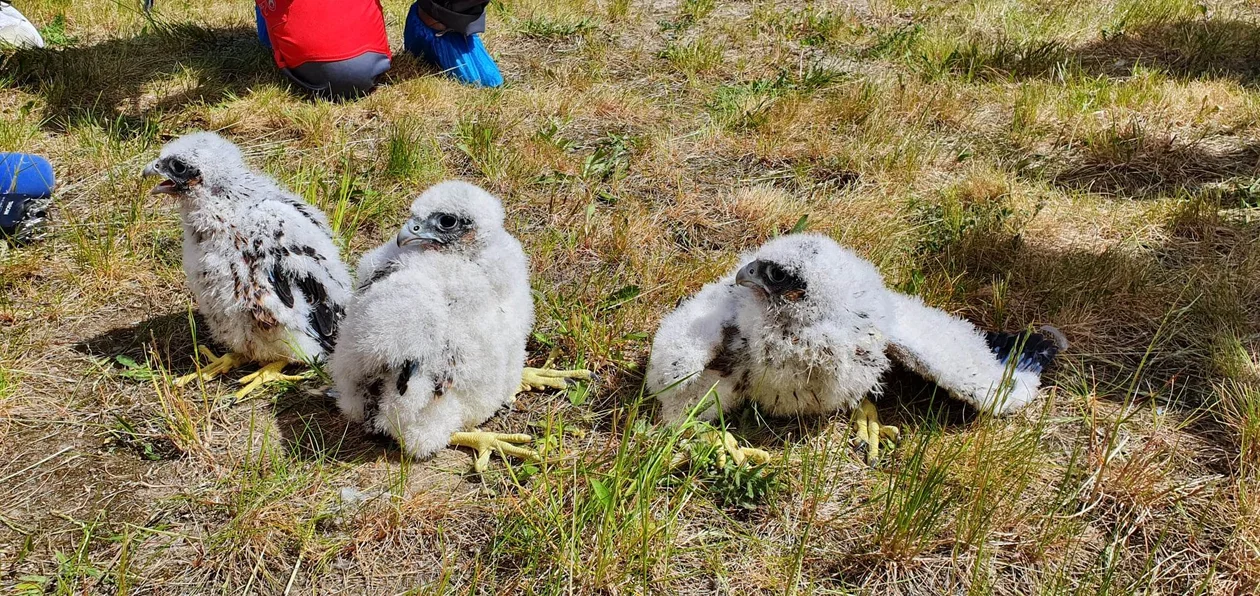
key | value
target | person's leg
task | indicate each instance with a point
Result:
(332, 48)
(261, 24)
(444, 32)
(341, 79)
(467, 17)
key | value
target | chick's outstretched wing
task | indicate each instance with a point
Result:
(994, 372)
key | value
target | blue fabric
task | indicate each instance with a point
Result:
(26, 174)
(463, 57)
(261, 23)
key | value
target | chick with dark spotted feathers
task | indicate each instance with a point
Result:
(261, 262)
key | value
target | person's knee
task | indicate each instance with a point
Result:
(341, 79)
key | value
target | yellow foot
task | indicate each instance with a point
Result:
(215, 366)
(729, 446)
(537, 379)
(726, 446)
(870, 431)
(268, 374)
(486, 443)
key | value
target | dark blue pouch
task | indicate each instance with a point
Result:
(26, 185)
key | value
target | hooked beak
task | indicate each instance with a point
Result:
(747, 278)
(424, 238)
(165, 187)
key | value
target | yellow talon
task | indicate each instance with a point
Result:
(485, 443)
(268, 374)
(729, 446)
(537, 379)
(215, 366)
(869, 431)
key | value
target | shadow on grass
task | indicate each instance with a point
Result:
(1185, 49)
(309, 422)
(1137, 158)
(1155, 325)
(1218, 48)
(115, 83)
(169, 334)
(1134, 163)
(313, 429)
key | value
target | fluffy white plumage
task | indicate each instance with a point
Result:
(260, 261)
(805, 326)
(434, 341)
(957, 356)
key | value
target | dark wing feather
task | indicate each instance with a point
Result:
(281, 283)
(731, 352)
(305, 209)
(1032, 352)
(384, 271)
(407, 371)
(325, 315)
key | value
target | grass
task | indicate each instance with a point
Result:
(1086, 165)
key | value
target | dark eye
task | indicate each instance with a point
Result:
(775, 275)
(177, 167)
(447, 223)
(415, 227)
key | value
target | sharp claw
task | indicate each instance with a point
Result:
(868, 430)
(215, 366)
(267, 374)
(756, 456)
(536, 379)
(486, 444)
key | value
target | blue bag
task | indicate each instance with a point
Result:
(26, 186)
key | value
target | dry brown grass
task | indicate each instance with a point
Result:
(1089, 165)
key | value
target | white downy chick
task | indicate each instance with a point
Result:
(260, 261)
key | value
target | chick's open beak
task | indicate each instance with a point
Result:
(165, 187)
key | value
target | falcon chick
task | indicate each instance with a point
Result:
(260, 261)
(434, 341)
(805, 326)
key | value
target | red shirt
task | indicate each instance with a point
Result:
(303, 31)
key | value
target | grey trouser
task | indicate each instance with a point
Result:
(340, 79)
(462, 16)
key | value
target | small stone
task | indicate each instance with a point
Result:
(352, 496)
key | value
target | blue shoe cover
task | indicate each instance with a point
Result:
(463, 57)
